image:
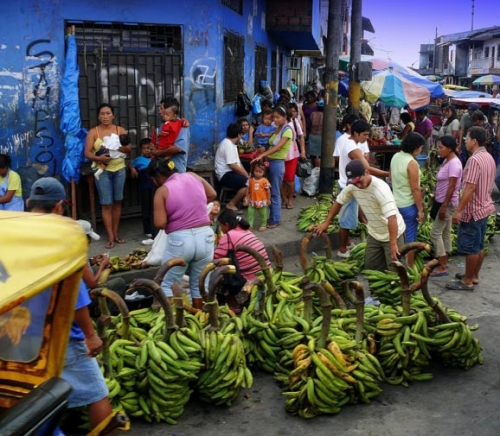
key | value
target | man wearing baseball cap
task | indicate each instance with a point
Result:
(385, 224)
(81, 369)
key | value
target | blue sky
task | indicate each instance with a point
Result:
(400, 27)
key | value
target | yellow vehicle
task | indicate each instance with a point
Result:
(41, 263)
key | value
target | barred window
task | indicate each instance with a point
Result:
(234, 55)
(235, 5)
(274, 69)
(260, 66)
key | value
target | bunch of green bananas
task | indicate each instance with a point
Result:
(357, 254)
(326, 379)
(225, 371)
(402, 352)
(315, 214)
(386, 286)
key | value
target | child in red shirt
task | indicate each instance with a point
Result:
(258, 195)
(170, 128)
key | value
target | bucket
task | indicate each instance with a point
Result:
(421, 158)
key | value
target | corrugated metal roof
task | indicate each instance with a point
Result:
(476, 34)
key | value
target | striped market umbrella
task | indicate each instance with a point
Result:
(489, 79)
(397, 88)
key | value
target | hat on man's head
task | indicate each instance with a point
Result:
(47, 189)
(87, 228)
(354, 170)
(473, 107)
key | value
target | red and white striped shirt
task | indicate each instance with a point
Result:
(480, 171)
(248, 265)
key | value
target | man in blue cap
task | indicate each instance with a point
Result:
(81, 369)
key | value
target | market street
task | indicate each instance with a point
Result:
(455, 402)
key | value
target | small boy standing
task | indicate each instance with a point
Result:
(138, 169)
(258, 195)
(265, 130)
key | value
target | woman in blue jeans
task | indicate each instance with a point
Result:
(186, 223)
(279, 143)
(405, 177)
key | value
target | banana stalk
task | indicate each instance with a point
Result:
(360, 306)
(179, 304)
(304, 243)
(405, 287)
(441, 316)
(211, 301)
(210, 267)
(326, 306)
(278, 260)
(263, 266)
(176, 261)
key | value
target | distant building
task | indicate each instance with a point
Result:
(460, 58)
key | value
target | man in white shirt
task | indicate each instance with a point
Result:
(228, 167)
(386, 226)
(352, 145)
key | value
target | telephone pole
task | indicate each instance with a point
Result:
(355, 56)
(331, 82)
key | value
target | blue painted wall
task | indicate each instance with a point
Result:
(32, 65)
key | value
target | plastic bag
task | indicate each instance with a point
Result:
(155, 255)
(256, 109)
(304, 168)
(310, 185)
(297, 184)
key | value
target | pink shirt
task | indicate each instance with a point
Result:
(186, 203)
(452, 168)
(248, 265)
(480, 171)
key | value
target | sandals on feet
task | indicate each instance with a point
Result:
(262, 229)
(110, 245)
(458, 285)
(459, 276)
(119, 240)
(272, 226)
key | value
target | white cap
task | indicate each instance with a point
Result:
(87, 228)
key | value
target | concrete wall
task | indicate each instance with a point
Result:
(32, 64)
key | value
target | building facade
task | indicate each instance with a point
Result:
(132, 54)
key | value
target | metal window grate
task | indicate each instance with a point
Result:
(234, 55)
(128, 37)
(260, 66)
(274, 69)
(235, 5)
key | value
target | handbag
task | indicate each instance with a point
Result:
(233, 283)
(304, 168)
(155, 255)
(435, 209)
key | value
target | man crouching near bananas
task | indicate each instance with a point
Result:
(385, 224)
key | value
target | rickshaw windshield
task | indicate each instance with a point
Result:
(22, 329)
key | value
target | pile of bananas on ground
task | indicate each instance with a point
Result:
(133, 260)
(316, 213)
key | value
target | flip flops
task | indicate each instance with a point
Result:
(439, 273)
(110, 245)
(459, 276)
(458, 285)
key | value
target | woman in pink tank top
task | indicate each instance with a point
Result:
(180, 208)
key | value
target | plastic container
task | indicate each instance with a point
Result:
(421, 158)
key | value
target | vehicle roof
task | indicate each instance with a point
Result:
(36, 251)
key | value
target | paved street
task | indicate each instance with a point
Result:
(455, 403)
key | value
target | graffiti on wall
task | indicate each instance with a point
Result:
(41, 94)
(200, 88)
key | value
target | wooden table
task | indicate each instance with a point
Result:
(387, 151)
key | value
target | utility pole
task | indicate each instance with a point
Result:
(355, 56)
(331, 82)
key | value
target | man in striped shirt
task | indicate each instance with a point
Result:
(474, 208)
(385, 224)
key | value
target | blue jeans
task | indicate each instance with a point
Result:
(470, 236)
(276, 173)
(110, 186)
(410, 215)
(348, 215)
(196, 247)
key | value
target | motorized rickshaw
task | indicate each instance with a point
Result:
(41, 262)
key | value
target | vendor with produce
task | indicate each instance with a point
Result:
(385, 224)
